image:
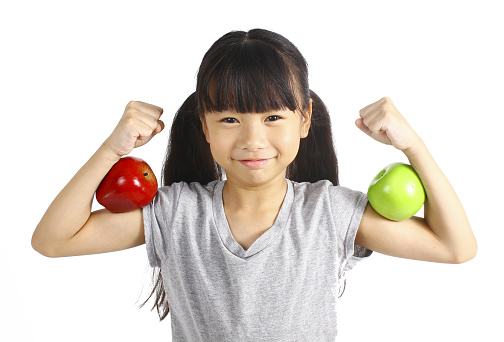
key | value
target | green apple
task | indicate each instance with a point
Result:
(396, 193)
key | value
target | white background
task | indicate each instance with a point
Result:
(68, 69)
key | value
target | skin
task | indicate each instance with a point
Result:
(233, 136)
(70, 228)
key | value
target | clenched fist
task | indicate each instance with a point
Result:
(139, 123)
(382, 121)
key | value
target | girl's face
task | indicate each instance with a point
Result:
(255, 148)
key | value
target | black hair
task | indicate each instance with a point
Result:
(250, 72)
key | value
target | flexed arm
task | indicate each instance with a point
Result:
(444, 234)
(68, 227)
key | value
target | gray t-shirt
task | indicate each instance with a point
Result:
(283, 288)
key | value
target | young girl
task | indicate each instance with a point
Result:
(259, 255)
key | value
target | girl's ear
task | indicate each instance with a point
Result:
(205, 128)
(306, 120)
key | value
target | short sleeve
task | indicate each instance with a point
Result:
(157, 217)
(348, 208)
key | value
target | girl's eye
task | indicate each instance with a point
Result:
(270, 118)
(229, 120)
(274, 118)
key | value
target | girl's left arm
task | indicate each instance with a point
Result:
(444, 234)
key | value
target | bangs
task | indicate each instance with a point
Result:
(252, 77)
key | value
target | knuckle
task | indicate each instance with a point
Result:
(387, 110)
(129, 121)
(129, 114)
(132, 104)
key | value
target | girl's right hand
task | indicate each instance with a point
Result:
(139, 123)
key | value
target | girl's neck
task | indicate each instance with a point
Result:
(239, 197)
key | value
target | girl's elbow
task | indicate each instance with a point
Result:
(42, 248)
(466, 255)
(464, 258)
(37, 247)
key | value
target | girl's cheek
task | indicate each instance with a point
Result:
(287, 136)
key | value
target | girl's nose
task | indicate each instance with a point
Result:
(253, 137)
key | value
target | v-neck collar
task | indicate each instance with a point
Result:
(262, 241)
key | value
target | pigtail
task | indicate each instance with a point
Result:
(316, 159)
(188, 159)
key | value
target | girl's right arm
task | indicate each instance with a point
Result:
(69, 227)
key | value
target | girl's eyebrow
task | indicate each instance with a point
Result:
(232, 113)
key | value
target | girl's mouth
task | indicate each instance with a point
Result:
(255, 163)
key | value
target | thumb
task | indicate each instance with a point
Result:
(145, 139)
(159, 128)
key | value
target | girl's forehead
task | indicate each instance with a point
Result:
(246, 88)
(229, 101)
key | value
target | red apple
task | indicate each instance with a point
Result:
(130, 184)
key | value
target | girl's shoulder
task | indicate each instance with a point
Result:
(323, 185)
(184, 191)
(191, 187)
(182, 195)
(324, 189)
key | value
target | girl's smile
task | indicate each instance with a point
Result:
(255, 163)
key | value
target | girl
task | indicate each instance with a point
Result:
(257, 255)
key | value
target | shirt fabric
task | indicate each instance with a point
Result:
(284, 287)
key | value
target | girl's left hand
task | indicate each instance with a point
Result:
(383, 122)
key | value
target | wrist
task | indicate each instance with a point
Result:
(415, 148)
(108, 154)
(418, 155)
